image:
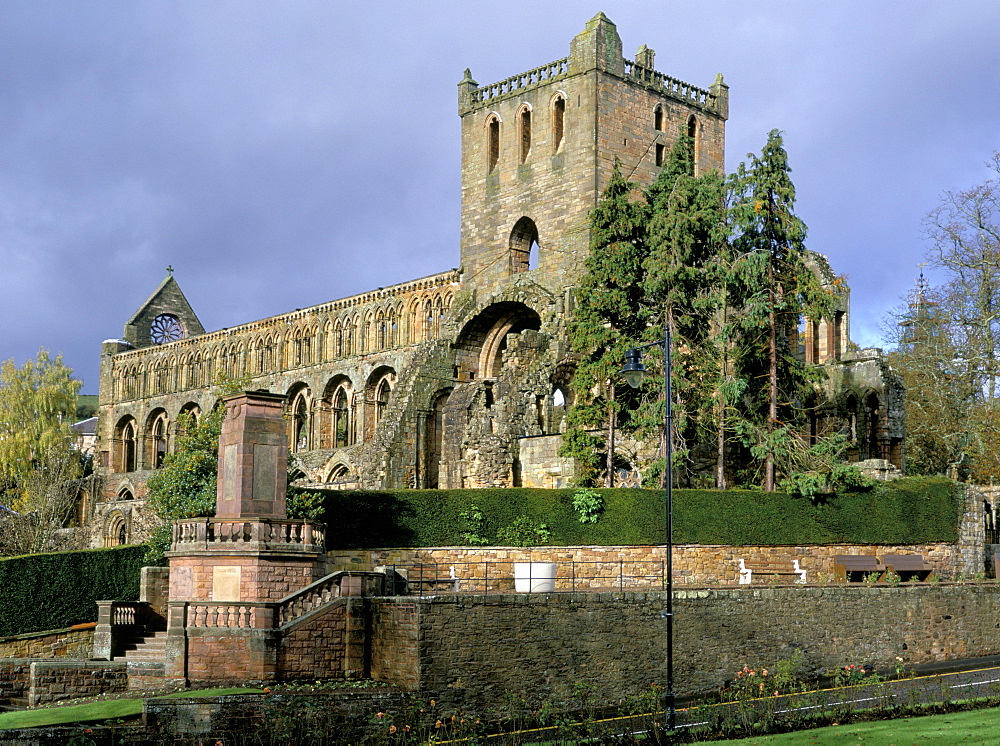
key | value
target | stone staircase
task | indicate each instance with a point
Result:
(145, 660)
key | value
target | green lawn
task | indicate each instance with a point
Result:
(974, 727)
(95, 711)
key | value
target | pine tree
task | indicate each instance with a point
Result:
(610, 315)
(686, 234)
(776, 288)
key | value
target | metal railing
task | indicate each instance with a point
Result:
(498, 576)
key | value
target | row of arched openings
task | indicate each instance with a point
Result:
(267, 352)
(693, 131)
(524, 123)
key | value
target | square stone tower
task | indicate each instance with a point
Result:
(538, 149)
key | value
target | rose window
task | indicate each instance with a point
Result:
(165, 328)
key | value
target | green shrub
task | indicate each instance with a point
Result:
(52, 591)
(588, 505)
(907, 511)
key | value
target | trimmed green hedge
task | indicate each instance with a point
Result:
(52, 591)
(907, 511)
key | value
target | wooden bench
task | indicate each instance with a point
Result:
(907, 566)
(856, 567)
(770, 569)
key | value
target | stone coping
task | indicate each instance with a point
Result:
(85, 627)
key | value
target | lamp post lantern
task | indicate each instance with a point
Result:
(633, 371)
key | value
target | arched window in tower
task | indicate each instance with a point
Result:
(300, 421)
(658, 118)
(524, 126)
(693, 130)
(523, 246)
(558, 121)
(492, 142)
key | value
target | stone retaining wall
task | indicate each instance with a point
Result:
(598, 567)
(70, 642)
(470, 650)
(68, 679)
(14, 676)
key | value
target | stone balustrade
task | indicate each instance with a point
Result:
(214, 534)
(671, 86)
(324, 590)
(520, 82)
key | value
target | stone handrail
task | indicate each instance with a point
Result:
(539, 75)
(335, 585)
(233, 615)
(671, 86)
(254, 534)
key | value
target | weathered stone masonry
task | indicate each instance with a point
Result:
(470, 650)
(436, 382)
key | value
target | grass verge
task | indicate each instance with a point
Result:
(111, 709)
(968, 727)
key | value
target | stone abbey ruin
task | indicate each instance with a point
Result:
(459, 379)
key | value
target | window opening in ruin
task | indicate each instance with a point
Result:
(660, 150)
(838, 334)
(381, 331)
(695, 145)
(658, 118)
(300, 422)
(525, 125)
(434, 435)
(341, 419)
(524, 248)
(540, 413)
(158, 440)
(558, 122)
(558, 398)
(381, 400)
(492, 143)
(125, 461)
(851, 404)
(488, 394)
(873, 446)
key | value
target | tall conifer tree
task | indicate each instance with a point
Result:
(610, 315)
(778, 288)
(686, 233)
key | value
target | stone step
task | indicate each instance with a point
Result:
(151, 649)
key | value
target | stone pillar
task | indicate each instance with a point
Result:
(253, 457)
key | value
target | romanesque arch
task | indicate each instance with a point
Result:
(157, 430)
(299, 399)
(523, 246)
(483, 340)
(115, 529)
(378, 390)
(434, 430)
(337, 422)
(125, 437)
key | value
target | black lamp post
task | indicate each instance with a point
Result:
(634, 371)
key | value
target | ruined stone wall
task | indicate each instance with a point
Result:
(470, 650)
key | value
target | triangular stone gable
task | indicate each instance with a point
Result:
(166, 315)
